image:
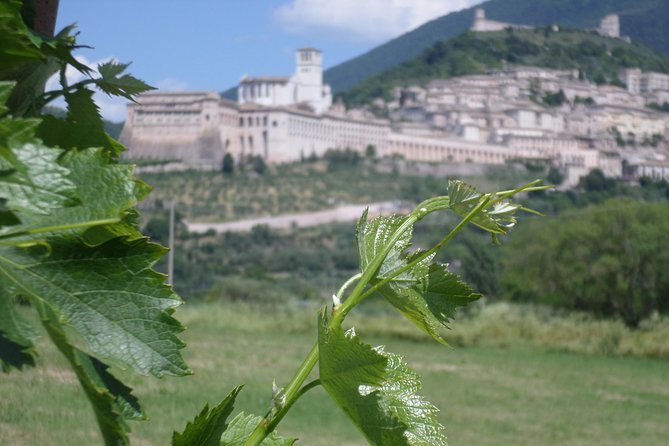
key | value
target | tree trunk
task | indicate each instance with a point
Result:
(40, 15)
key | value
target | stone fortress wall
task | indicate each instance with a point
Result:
(609, 26)
(482, 24)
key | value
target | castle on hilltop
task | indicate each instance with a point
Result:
(609, 25)
(482, 24)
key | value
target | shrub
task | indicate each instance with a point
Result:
(603, 259)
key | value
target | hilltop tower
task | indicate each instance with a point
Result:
(610, 26)
(481, 24)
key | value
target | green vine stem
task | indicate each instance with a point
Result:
(347, 284)
(361, 291)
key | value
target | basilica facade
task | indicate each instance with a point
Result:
(279, 118)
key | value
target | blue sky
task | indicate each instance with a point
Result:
(210, 44)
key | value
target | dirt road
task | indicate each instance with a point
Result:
(347, 213)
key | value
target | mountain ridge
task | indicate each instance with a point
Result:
(642, 20)
(597, 58)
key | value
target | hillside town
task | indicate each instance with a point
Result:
(299, 222)
(515, 113)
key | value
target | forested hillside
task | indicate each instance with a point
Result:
(597, 58)
(643, 20)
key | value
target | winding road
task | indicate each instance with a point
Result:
(340, 214)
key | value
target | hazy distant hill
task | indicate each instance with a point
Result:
(597, 58)
(645, 21)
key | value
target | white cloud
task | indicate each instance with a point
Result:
(111, 108)
(371, 20)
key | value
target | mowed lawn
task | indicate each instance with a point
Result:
(516, 396)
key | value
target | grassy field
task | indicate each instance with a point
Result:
(517, 394)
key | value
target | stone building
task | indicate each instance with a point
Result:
(194, 126)
(305, 87)
(610, 26)
(278, 118)
(482, 24)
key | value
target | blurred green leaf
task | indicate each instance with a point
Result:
(241, 428)
(126, 85)
(207, 427)
(82, 128)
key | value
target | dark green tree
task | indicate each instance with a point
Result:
(258, 165)
(480, 265)
(595, 181)
(606, 259)
(228, 166)
(554, 176)
(555, 99)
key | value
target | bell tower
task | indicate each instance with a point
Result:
(309, 67)
(308, 80)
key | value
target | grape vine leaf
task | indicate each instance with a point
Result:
(427, 295)
(373, 235)
(16, 338)
(61, 46)
(5, 93)
(112, 401)
(464, 198)
(126, 85)
(108, 294)
(98, 279)
(241, 428)
(106, 192)
(31, 59)
(430, 303)
(207, 427)
(376, 389)
(16, 45)
(210, 427)
(69, 239)
(31, 179)
(82, 128)
(31, 74)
